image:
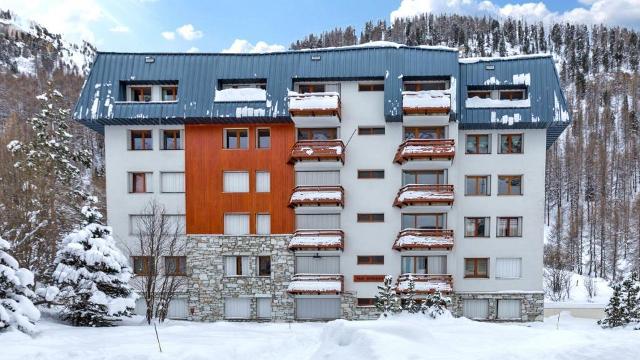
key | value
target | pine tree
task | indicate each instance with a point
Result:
(92, 275)
(387, 300)
(435, 305)
(614, 312)
(16, 308)
(630, 300)
(409, 301)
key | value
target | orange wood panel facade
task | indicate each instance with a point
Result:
(205, 162)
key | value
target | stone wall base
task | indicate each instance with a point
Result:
(532, 304)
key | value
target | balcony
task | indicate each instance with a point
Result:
(426, 283)
(425, 153)
(326, 151)
(317, 196)
(316, 284)
(424, 239)
(315, 109)
(317, 240)
(440, 196)
(424, 108)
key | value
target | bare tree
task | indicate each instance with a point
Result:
(590, 286)
(160, 240)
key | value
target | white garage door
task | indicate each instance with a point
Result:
(317, 308)
(508, 309)
(476, 309)
(237, 308)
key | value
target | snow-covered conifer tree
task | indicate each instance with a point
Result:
(387, 301)
(92, 275)
(16, 308)
(630, 300)
(410, 304)
(614, 312)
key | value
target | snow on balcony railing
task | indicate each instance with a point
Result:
(240, 95)
(314, 104)
(411, 239)
(426, 102)
(486, 103)
(317, 240)
(421, 194)
(425, 149)
(317, 150)
(317, 195)
(426, 283)
(316, 284)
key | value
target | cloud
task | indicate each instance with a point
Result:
(243, 46)
(611, 12)
(193, 49)
(168, 35)
(120, 29)
(188, 32)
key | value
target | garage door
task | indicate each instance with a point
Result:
(317, 308)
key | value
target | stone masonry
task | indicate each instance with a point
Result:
(532, 304)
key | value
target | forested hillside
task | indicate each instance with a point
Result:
(593, 208)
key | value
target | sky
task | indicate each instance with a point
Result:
(271, 25)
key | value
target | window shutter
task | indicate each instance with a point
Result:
(317, 308)
(318, 178)
(237, 308)
(236, 181)
(245, 265)
(236, 224)
(318, 265)
(318, 221)
(475, 308)
(263, 181)
(230, 266)
(263, 224)
(508, 309)
(137, 223)
(172, 182)
(508, 268)
(264, 307)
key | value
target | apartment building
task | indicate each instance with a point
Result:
(302, 178)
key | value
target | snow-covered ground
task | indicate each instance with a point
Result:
(578, 294)
(404, 337)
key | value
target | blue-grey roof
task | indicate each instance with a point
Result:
(198, 76)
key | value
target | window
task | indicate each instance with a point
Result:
(424, 264)
(317, 178)
(423, 177)
(318, 221)
(477, 185)
(366, 301)
(237, 308)
(263, 224)
(138, 224)
(476, 267)
(370, 174)
(509, 309)
(371, 87)
(476, 227)
(318, 134)
(140, 140)
(371, 131)
(264, 265)
(175, 265)
(264, 307)
(235, 181)
(236, 224)
(510, 143)
(175, 224)
(140, 182)
(263, 181)
(311, 88)
(172, 182)
(370, 217)
(423, 133)
(143, 265)
(475, 308)
(516, 94)
(508, 268)
(371, 260)
(317, 264)
(236, 138)
(478, 144)
(171, 140)
(263, 138)
(509, 227)
(236, 266)
(234, 84)
(482, 94)
(140, 93)
(423, 221)
(510, 185)
(425, 85)
(169, 93)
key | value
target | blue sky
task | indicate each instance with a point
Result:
(212, 26)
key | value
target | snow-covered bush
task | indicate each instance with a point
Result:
(388, 302)
(16, 308)
(624, 305)
(92, 276)
(435, 305)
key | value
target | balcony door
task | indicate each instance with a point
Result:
(318, 134)
(424, 264)
(424, 133)
(424, 177)
(424, 221)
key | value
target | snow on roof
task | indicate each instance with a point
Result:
(302, 195)
(480, 103)
(426, 99)
(316, 241)
(385, 44)
(422, 195)
(472, 60)
(316, 101)
(427, 149)
(426, 286)
(423, 241)
(315, 283)
(242, 94)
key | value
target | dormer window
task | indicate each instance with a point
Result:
(145, 91)
(518, 94)
(482, 94)
(140, 93)
(425, 85)
(241, 91)
(311, 88)
(497, 96)
(169, 93)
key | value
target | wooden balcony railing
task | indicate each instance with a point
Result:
(317, 196)
(317, 240)
(434, 102)
(424, 195)
(319, 150)
(316, 284)
(425, 149)
(315, 104)
(421, 239)
(426, 283)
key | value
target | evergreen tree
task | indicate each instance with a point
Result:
(387, 301)
(16, 308)
(630, 300)
(435, 305)
(614, 312)
(92, 275)
(409, 301)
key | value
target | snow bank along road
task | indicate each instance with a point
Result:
(403, 337)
